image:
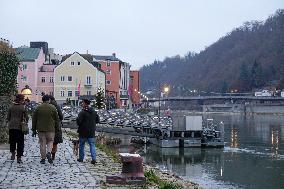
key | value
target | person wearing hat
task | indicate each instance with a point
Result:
(16, 114)
(86, 121)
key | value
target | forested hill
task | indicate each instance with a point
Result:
(248, 58)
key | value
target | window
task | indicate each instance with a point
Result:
(89, 92)
(72, 64)
(108, 82)
(108, 71)
(88, 80)
(25, 67)
(69, 78)
(43, 79)
(78, 63)
(51, 79)
(62, 93)
(108, 63)
(76, 93)
(62, 78)
(69, 93)
(24, 78)
(51, 93)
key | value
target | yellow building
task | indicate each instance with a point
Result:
(77, 75)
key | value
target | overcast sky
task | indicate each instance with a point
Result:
(138, 31)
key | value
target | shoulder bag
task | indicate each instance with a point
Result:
(24, 125)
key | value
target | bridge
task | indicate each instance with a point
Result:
(218, 98)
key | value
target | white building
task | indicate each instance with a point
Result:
(77, 76)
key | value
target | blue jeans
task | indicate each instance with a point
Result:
(91, 142)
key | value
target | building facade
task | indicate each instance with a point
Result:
(31, 59)
(134, 87)
(76, 76)
(46, 79)
(117, 79)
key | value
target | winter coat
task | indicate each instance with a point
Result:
(86, 122)
(15, 116)
(58, 134)
(45, 118)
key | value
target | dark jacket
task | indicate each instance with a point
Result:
(59, 112)
(16, 113)
(86, 122)
(58, 133)
(45, 118)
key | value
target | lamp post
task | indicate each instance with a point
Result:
(166, 89)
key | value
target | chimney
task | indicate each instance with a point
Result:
(113, 54)
(87, 52)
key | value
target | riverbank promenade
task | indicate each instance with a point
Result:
(65, 172)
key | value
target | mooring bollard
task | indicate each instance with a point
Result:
(132, 170)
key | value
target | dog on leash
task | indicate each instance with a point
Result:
(75, 147)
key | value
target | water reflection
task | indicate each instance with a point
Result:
(234, 138)
(274, 141)
(253, 156)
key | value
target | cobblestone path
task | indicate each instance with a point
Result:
(65, 172)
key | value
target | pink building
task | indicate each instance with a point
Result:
(45, 79)
(31, 59)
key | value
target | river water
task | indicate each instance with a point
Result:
(253, 156)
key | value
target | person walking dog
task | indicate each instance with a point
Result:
(86, 122)
(16, 115)
(58, 133)
(45, 121)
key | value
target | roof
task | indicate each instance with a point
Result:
(28, 54)
(97, 65)
(87, 57)
(100, 57)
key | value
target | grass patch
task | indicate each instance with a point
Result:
(109, 151)
(153, 179)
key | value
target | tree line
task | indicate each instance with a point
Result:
(249, 58)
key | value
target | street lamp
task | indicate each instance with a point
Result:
(166, 89)
(26, 91)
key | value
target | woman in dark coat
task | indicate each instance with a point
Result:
(16, 114)
(58, 134)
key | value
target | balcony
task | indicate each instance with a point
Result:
(124, 97)
(88, 84)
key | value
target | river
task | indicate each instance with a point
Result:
(253, 156)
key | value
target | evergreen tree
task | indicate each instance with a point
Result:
(100, 99)
(256, 75)
(224, 88)
(244, 78)
(9, 64)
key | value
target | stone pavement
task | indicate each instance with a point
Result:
(65, 172)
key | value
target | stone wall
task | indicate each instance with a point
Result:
(5, 103)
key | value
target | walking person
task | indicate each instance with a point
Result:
(86, 122)
(16, 114)
(45, 121)
(58, 133)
